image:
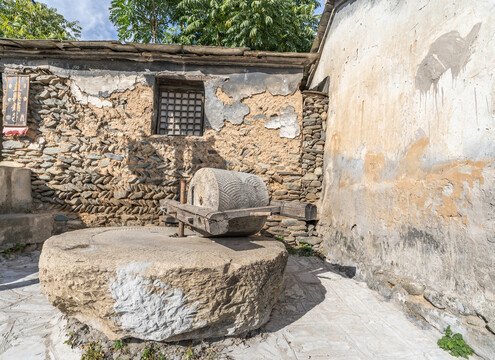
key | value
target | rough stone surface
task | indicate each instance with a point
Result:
(24, 229)
(413, 288)
(304, 185)
(142, 283)
(222, 190)
(320, 315)
(15, 189)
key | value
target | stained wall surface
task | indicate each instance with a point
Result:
(409, 176)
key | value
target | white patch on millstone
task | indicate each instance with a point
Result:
(150, 310)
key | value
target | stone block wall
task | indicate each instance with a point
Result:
(97, 160)
(305, 185)
(1, 112)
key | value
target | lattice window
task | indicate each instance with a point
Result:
(181, 111)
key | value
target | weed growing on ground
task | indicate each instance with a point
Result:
(455, 344)
(16, 248)
(189, 354)
(152, 353)
(93, 351)
(70, 339)
(118, 344)
(302, 249)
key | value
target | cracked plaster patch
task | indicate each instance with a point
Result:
(286, 122)
(217, 112)
(240, 86)
(88, 99)
(150, 309)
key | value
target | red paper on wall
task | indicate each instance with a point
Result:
(15, 131)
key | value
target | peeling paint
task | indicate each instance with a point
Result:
(241, 86)
(107, 83)
(408, 175)
(217, 112)
(88, 99)
(449, 51)
(286, 122)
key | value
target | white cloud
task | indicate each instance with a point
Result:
(93, 17)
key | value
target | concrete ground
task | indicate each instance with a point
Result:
(320, 315)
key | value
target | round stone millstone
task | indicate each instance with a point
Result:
(143, 283)
(221, 190)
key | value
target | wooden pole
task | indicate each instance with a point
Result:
(182, 201)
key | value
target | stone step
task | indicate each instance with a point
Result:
(24, 229)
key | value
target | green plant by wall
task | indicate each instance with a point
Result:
(16, 248)
(455, 344)
(70, 339)
(305, 249)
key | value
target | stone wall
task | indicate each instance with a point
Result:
(304, 185)
(94, 156)
(409, 159)
(1, 112)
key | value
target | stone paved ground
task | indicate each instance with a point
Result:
(321, 315)
(30, 328)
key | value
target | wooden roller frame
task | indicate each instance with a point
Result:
(215, 223)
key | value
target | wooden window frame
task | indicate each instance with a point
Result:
(179, 86)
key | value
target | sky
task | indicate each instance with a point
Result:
(93, 16)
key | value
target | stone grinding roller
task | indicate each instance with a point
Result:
(222, 190)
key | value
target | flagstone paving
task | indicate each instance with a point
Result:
(323, 315)
(320, 315)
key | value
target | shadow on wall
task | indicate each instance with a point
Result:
(164, 160)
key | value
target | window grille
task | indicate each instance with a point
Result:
(181, 111)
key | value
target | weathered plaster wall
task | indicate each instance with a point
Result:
(409, 157)
(92, 151)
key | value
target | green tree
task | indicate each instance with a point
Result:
(26, 19)
(274, 25)
(143, 20)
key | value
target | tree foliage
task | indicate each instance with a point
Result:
(26, 19)
(273, 25)
(143, 20)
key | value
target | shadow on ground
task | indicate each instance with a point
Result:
(13, 271)
(302, 290)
